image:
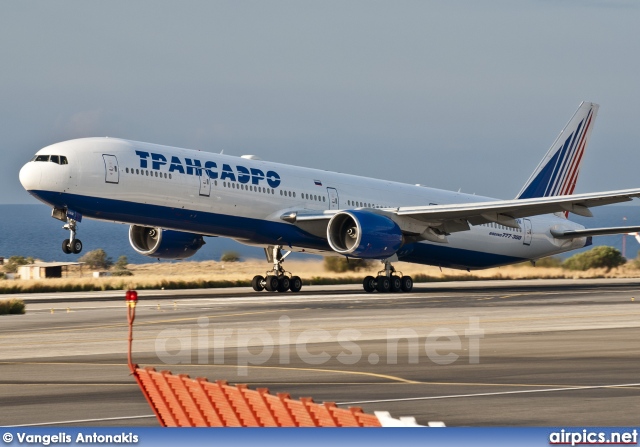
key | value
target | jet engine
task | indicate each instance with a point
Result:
(363, 234)
(164, 244)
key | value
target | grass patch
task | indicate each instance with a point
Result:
(12, 307)
(212, 274)
(177, 284)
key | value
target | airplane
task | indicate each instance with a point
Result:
(173, 197)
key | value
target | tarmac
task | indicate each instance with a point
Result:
(482, 353)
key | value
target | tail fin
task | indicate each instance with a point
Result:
(558, 171)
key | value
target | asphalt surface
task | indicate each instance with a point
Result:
(528, 353)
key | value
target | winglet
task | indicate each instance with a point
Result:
(558, 171)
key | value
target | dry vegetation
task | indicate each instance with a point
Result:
(185, 274)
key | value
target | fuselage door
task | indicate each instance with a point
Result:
(205, 184)
(334, 202)
(526, 227)
(111, 168)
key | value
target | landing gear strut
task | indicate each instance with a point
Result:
(388, 280)
(71, 245)
(276, 279)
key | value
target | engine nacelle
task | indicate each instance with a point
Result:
(363, 234)
(164, 244)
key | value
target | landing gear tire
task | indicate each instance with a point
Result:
(383, 284)
(396, 284)
(283, 284)
(369, 284)
(295, 284)
(407, 284)
(257, 282)
(76, 246)
(73, 244)
(276, 279)
(272, 283)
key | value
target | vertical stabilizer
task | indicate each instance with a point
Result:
(557, 173)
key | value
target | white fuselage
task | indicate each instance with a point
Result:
(244, 199)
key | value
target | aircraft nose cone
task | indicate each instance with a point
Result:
(30, 175)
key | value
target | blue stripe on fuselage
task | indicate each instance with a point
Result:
(259, 232)
(445, 256)
(256, 230)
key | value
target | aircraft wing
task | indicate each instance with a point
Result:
(450, 218)
(504, 211)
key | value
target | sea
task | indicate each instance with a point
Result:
(29, 230)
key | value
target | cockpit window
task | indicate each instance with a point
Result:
(58, 159)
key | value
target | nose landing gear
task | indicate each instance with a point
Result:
(277, 279)
(388, 280)
(71, 245)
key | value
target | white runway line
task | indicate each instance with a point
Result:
(81, 421)
(498, 393)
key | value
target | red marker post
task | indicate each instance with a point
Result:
(131, 298)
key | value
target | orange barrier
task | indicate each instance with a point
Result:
(179, 401)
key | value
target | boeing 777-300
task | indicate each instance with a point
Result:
(172, 197)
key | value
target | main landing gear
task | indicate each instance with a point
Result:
(71, 245)
(388, 280)
(276, 279)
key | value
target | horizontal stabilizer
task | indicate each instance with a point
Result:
(571, 234)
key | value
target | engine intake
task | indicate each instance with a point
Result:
(164, 244)
(363, 234)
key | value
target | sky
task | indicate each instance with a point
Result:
(459, 95)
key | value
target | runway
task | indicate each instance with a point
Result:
(499, 353)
